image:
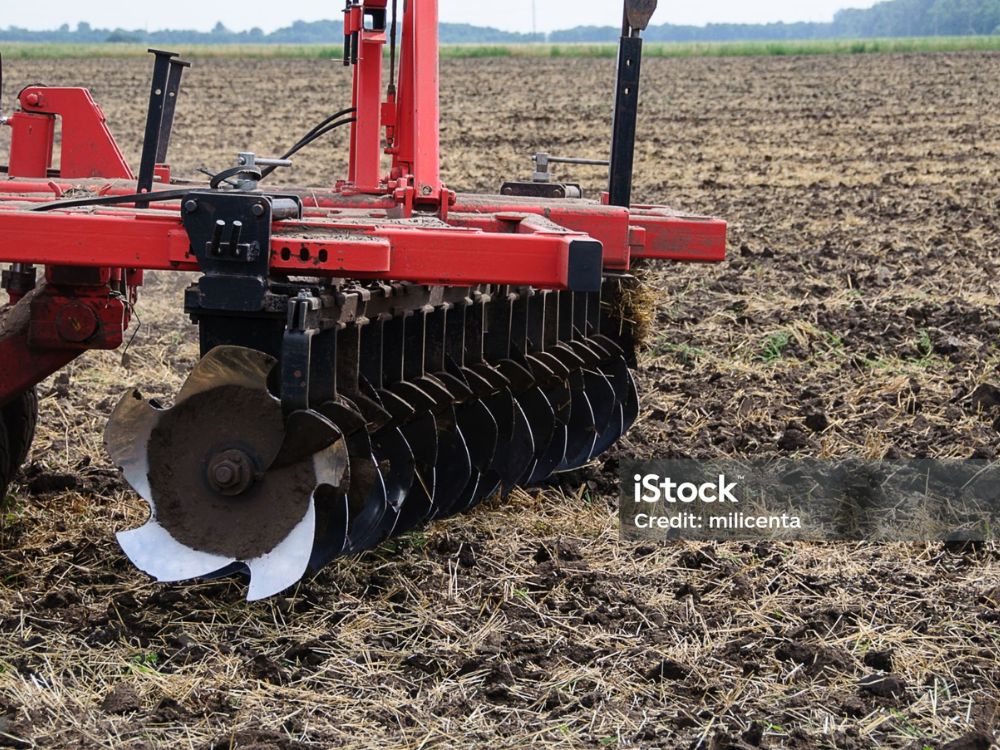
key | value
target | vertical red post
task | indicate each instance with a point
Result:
(32, 142)
(366, 133)
(418, 111)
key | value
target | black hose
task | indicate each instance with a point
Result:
(114, 200)
(316, 133)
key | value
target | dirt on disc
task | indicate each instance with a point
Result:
(857, 316)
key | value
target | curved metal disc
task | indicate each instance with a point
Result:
(603, 400)
(520, 451)
(228, 365)
(562, 403)
(153, 551)
(366, 494)
(330, 500)
(480, 429)
(618, 376)
(421, 434)
(542, 422)
(287, 563)
(394, 454)
(631, 405)
(453, 469)
(500, 405)
(182, 445)
(126, 438)
(582, 432)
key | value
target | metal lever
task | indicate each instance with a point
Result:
(543, 161)
(251, 161)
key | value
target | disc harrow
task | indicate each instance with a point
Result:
(376, 356)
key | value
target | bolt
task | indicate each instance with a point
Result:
(191, 206)
(231, 473)
(225, 473)
(427, 190)
(32, 100)
(258, 210)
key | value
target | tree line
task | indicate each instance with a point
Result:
(894, 18)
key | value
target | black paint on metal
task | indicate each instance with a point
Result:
(625, 120)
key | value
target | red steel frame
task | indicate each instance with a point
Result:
(95, 257)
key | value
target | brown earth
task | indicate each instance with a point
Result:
(856, 317)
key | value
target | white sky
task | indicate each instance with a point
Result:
(513, 15)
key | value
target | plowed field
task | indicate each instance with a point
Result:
(857, 316)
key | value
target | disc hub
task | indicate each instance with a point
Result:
(231, 473)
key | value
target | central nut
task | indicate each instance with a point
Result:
(231, 473)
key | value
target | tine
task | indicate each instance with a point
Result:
(284, 566)
(542, 423)
(421, 435)
(454, 466)
(582, 432)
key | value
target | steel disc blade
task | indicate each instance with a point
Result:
(582, 432)
(284, 566)
(332, 519)
(366, 494)
(541, 418)
(603, 400)
(153, 551)
(520, 451)
(395, 456)
(453, 470)
(631, 405)
(332, 511)
(617, 374)
(228, 366)
(481, 432)
(612, 434)
(127, 437)
(421, 435)
(562, 402)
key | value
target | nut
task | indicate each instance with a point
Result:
(231, 473)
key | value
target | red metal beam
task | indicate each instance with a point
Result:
(158, 241)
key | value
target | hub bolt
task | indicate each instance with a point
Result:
(231, 473)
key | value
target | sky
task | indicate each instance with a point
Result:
(511, 15)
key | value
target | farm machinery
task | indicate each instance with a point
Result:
(377, 354)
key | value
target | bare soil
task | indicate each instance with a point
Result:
(857, 316)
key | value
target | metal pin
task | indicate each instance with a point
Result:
(234, 241)
(220, 227)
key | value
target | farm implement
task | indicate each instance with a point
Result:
(376, 354)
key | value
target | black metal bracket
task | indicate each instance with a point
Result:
(636, 19)
(231, 237)
(166, 84)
